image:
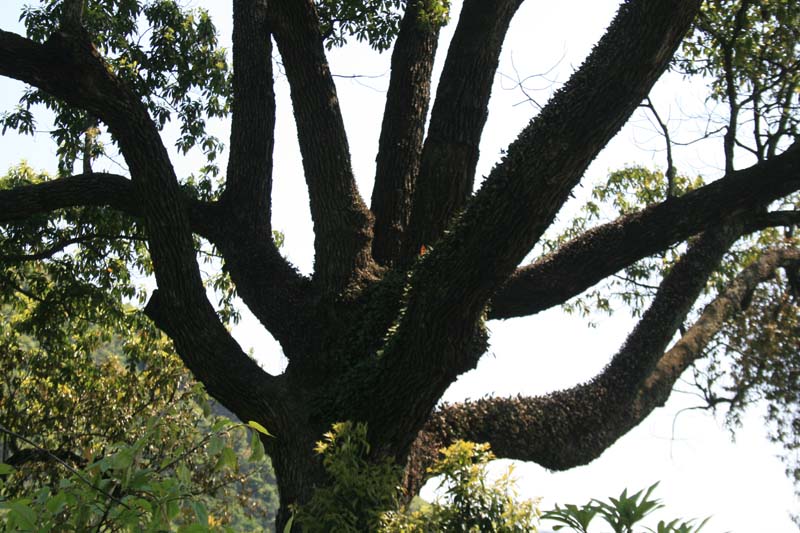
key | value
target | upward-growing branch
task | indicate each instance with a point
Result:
(459, 113)
(268, 285)
(249, 179)
(400, 145)
(601, 251)
(342, 222)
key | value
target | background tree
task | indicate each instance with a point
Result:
(396, 307)
(99, 418)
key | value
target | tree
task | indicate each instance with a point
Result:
(396, 307)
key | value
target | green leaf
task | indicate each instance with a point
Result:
(56, 503)
(215, 444)
(227, 458)
(194, 528)
(123, 459)
(6, 469)
(288, 527)
(23, 515)
(200, 512)
(261, 429)
(256, 447)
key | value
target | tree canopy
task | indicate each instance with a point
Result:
(397, 304)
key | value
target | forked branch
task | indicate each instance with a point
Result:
(523, 193)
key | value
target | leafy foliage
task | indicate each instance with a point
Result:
(102, 440)
(99, 418)
(621, 514)
(359, 491)
(376, 22)
(470, 502)
(105, 440)
(363, 495)
(750, 51)
(168, 54)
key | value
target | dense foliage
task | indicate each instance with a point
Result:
(365, 496)
(100, 433)
(101, 426)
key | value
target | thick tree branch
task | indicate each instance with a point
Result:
(273, 290)
(692, 344)
(522, 194)
(69, 67)
(402, 132)
(97, 189)
(342, 222)
(249, 178)
(606, 249)
(459, 113)
(572, 427)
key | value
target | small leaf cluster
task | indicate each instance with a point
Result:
(375, 22)
(622, 514)
(363, 493)
(360, 489)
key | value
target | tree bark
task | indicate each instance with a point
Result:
(402, 131)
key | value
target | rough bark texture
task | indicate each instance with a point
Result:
(459, 113)
(381, 330)
(402, 132)
(342, 222)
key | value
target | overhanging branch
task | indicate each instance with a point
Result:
(96, 189)
(574, 426)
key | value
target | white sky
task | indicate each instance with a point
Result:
(701, 471)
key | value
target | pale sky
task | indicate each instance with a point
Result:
(702, 472)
